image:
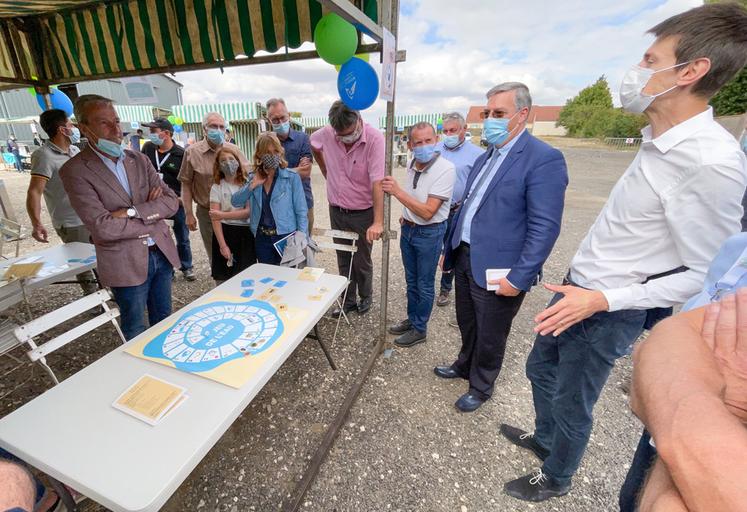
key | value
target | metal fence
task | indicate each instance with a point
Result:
(623, 143)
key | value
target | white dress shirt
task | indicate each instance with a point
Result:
(675, 205)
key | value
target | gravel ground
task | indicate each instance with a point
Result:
(404, 446)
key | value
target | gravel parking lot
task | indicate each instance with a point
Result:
(404, 447)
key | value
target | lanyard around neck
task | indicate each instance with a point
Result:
(159, 162)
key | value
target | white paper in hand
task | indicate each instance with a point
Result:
(494, 274)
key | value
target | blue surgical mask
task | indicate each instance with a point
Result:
(109, 148)
(74, 135)
(424, 154)
(495, 130)
(215, 136)
(155, 139)
(451, 141)
(282, 128)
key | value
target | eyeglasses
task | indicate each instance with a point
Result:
(495, 114)
(278, 120)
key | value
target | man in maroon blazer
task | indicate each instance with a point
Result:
(123, 203)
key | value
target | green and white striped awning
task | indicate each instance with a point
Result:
(404, 121)
(230, 111)
(127, 37)
(313, 122)
(136, 113)
(16, 8)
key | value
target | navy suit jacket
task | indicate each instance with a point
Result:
(518, 219)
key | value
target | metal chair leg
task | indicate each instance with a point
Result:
(43, 362)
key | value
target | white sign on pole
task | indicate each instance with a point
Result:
(387, 68)
(139, 91)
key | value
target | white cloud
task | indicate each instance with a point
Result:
(457, 50)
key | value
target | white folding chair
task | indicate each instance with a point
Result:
(351, 247)
(10, 231)
(27, 332)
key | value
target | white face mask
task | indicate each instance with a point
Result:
(631, 90)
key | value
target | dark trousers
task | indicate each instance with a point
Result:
(567, 374)
(361, 278)
(644, 458)
(484, 320)
(447, 278)
(420, 246)
(265, 248)
(154, 294)
(181, 233)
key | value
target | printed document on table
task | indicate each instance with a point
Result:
(150, 399)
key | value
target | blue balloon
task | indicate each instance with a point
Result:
(59, 100)
(358, 84)
(178, 128)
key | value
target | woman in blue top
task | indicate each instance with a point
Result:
(276, 200)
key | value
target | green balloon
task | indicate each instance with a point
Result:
(336, 40)
(172, 119)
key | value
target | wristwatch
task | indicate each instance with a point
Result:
(131, 212)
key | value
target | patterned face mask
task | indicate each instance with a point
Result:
(270, 161)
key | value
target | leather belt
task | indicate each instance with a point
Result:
(416, 225)
(267, 231)
(347, 210)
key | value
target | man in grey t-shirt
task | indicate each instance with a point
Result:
(426, 198)
(45, 180)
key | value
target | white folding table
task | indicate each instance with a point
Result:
(65, 261)
(72, 432)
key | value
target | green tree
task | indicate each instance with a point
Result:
(590, 114)
(732, 98)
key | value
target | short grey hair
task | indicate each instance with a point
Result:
(420, 126)
(275, 101)
(523, 98)
(208, 115)
(342, 117)
(454, 116)
(84, 103)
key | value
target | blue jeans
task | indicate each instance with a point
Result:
(154, 293)
(447, 278)
(19, 162)
(567, 374)
(421, 247)
(182, 238)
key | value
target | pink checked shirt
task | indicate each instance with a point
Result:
(351, 174)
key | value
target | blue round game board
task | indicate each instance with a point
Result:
(209, 335)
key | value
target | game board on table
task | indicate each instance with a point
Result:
(226, 338)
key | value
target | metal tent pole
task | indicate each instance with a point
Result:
(295, 502)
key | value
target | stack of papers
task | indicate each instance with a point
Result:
(150, 399)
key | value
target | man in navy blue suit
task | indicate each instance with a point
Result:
(508, 223)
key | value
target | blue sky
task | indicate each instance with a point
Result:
(458, 49)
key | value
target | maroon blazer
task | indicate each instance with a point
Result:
(121, 244)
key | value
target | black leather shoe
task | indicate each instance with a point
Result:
(524, 439)
(400, 327)
(364, 305)
(535, 487)
(447, 372)
(410, 338)
(468, 403)
(348, 308)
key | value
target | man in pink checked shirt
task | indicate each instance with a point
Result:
(350, 154)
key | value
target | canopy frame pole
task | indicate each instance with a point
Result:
(295, 502)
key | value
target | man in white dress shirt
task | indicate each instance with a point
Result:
(671, 210)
